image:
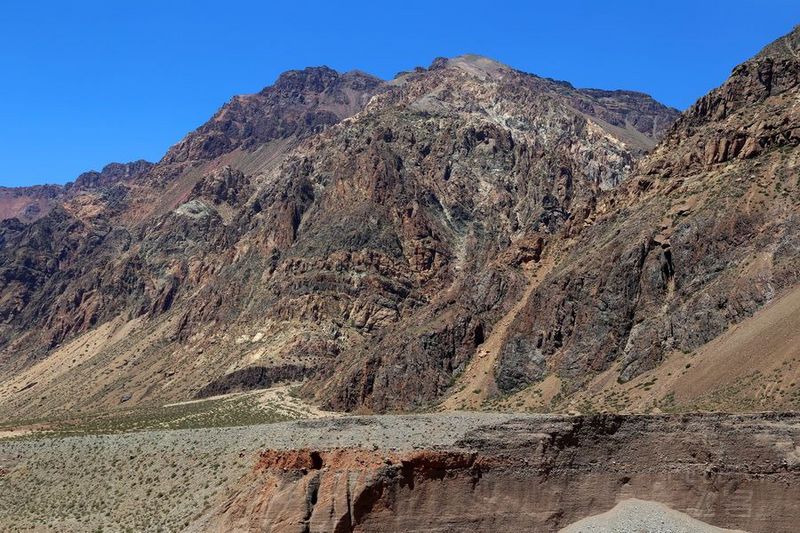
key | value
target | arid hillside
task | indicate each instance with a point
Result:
(704, 234)
(467, 298)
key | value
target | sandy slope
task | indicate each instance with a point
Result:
(635, 516)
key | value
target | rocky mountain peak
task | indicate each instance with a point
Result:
(360, 233)
(292, 83)
(111, 173)
(755, 110)
(315, 79)
(300, 103)
(486, 88)
(474, 64)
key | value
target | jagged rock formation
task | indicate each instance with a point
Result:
(300, 103)
(111, 173)
(28, 204)
(368, 236)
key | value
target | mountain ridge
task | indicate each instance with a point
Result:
(355, 234)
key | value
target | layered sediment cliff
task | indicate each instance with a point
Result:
(531, 474)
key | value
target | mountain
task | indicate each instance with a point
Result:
(328, 220)
(465, 233)
(28, 204)
(463, 236)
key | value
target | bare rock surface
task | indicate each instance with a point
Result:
(702, 236)
(332, 226)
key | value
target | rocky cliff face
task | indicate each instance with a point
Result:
(704, 234)
(515, 476)
(368, 236)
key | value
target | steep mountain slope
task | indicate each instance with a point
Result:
(272, 245)
(706, 233)
(753, 366)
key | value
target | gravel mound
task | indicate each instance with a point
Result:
(639, 516)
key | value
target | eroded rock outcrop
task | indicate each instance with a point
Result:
(530, 474)
(300, 103)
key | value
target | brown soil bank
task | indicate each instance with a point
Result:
(532, 473)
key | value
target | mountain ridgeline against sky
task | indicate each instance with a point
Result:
(461, 235)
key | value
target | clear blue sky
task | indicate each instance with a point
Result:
(89, 82)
